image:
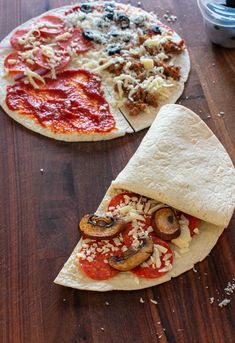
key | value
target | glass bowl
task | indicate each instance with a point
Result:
(219, 21)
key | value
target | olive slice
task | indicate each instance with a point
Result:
(101, 227)
(133, 256)
(165, 224)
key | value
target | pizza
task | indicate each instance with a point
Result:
(162, 214)
(92, 71)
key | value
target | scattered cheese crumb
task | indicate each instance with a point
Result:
(102, 329)
(42, 170)
(194, 269)
(106, 303)
(221, 114)
(142, 300)
(229, 289)
(154, 301)
(64, 299)
(224, 302)
(212, 299)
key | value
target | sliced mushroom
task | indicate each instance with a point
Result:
(165, 224)
(133, 257)
(101, 227)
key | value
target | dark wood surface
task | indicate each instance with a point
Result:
(39, 215)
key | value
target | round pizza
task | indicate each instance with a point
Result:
(93, 71)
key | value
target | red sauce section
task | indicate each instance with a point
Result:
(71, 103)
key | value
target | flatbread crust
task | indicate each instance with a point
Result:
(206, 190)
(124, 122)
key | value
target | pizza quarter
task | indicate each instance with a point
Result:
(91, 71)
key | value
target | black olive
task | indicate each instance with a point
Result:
(108, 16)
(90, 35)
(123, 20)
(156, 29)
(109, 6)
(113, 49)
(87, 8)
(114, 34)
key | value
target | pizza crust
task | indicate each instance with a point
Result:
(124, 122)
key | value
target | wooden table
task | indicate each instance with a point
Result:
(39, 213)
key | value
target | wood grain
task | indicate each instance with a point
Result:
(39, 214)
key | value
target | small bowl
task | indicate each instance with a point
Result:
(219, 21)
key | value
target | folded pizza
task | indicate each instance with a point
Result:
(162, 214)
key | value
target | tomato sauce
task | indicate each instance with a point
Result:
(73, 103)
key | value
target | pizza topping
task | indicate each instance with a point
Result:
(113, 49)
(75, 41)
(15, 64)
(71, 103)
(50, 25)
(31, 76)
(136, 248)
(156, 29)
(122, 20)
(52, 58)
(159, 263)
(192, 224)
(86, 8)
(24, 39)
(93, 258)
(165, 224)
(184, 239)
(101, 227)
(93, 36)
(134, 256)
(109, 6)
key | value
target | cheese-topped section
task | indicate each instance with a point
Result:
(145, 71)
(135, 235)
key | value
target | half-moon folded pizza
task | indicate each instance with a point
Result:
(162, 214)
(92, 71)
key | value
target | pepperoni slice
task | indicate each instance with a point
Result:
(152, 272)
(50, 25)
(14, 63)
(120, 198)
(193, 223)
(128, 238)
(16, 39)
(98, 268)
(57, 58)
(76, 42)
(143, 224)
